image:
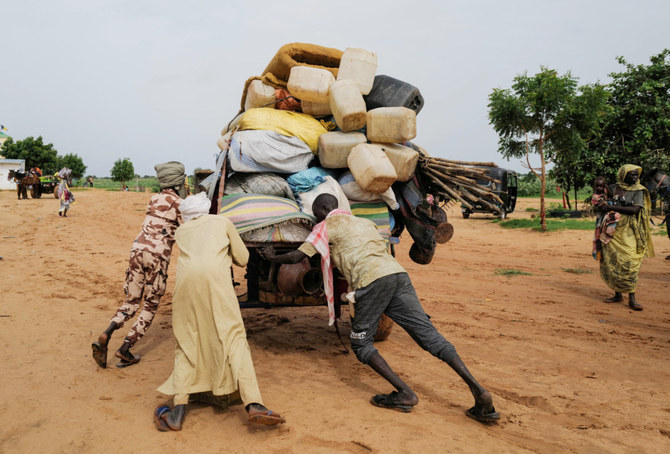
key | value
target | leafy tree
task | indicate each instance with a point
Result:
(546, 114)
(35, 152)
(123, 170)
(572, 167)
(74, 162)
(637, 130)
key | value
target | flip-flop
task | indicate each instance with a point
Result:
(159, 421)
(125, 362)
(100, 354)
(476, 414)
(265, 418)
(389, 401)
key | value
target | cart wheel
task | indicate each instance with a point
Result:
(35, 192)
(384, 329)
(56, 192)
(466, 214)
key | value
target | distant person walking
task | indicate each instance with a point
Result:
(146, 277)
(631, 242)
(64, 193)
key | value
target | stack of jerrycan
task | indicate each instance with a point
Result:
(375, 115)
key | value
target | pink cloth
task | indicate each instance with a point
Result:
(319, 239)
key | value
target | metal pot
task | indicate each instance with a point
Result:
(297, 278)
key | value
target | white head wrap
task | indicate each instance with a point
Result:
(194, 206)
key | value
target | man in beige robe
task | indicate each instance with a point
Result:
(212, 358)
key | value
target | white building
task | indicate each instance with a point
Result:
(5, 166)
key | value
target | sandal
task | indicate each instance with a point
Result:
(127, 360)
(100, 354)
(265, 418)
(477, 414)
(390, 401)
(159, 420)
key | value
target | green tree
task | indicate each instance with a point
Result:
(572, 166)
(637, 130)
(35, 152)
(74, 162)
(548, 115)
(123, 170)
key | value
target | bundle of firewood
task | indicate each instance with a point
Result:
(457, 181)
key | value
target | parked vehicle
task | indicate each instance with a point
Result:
(48, 184)
(505, 187)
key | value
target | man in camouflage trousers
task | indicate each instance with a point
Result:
(146, 277)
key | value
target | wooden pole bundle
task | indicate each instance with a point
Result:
(457, 180)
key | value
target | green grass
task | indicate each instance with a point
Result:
(552, 224)
(531, 209)
(577, 271)
(511, 272)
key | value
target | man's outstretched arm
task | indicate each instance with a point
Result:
(290, 257)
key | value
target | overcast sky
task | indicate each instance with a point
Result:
(157, 80)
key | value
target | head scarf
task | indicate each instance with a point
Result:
(171, 174)
(194, 206)
(621, 177)
(642, 233)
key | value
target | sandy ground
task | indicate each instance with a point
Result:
(568, 372)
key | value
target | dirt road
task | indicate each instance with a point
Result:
(568, 372)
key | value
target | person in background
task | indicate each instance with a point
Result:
(146, 277)
(622, 255)
(212, 361)
(64, 193)
(381, 286)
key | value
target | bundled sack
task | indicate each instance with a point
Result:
(283, 233)
(378, 213)
(254, 211)
(303, 54)
(354, 192)
(307, 179)
(258, 183)
(287, 123)
(256, 151)
(329, 186)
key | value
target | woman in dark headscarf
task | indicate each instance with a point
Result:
(622, 255)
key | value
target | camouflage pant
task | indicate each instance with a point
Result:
(146, 281)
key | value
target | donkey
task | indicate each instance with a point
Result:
(658, 185)
(21, 186)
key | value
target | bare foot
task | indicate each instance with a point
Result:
(483, 411)
(127, 358)
(484, 401)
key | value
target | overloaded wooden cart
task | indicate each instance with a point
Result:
(319, 120)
